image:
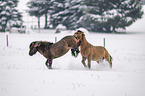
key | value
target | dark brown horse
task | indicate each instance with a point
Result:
(91, 52)
(51, 51)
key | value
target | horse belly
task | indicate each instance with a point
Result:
(96, 59)
(97, 56)
(60, 52)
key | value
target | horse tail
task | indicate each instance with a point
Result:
(111, 58)
(110, 61)
(108, 57)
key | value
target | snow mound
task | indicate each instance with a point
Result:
(28, 30)
(60, 26)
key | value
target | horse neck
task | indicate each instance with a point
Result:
(84, 42)
(42, 49)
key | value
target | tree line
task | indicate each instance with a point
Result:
(94, 15)
(9, 15)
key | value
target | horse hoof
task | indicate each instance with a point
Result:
(50, 68)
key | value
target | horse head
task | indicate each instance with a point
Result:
(33, 47)
(79, 35)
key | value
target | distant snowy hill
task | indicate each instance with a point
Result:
(138, 26)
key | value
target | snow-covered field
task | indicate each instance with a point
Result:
(23, 75)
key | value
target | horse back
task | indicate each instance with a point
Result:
(59, 49)
(71, 41)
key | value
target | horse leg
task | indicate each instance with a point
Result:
(46, 63)
(73, 52)
(83, 61)
(50, 64)
(89, 63)
(77, 51)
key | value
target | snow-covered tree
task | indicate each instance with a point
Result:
(58, 7)
(9, 15)
(109, 15)
(39, 8)
(72, 13)
(66, 12)
(95, 15)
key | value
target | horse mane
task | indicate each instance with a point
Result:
(45, 44)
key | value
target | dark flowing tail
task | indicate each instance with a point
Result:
(111, 58)
(75, 52)
(111, 61)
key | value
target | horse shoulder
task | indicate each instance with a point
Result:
(86, 51)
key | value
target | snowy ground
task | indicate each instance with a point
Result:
(23, 75)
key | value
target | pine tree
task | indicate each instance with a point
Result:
(95, 15)
(9, 15)
(73, 13)
(91, 17)
(109, 15)
(67, 12)
(58, 7)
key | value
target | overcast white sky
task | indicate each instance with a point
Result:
(22, 5)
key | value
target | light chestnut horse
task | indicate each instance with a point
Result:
(51, 51)
(91, 52)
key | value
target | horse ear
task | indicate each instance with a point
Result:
(83, 34)
(32, 44)
(37, 44)
(50, 43)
